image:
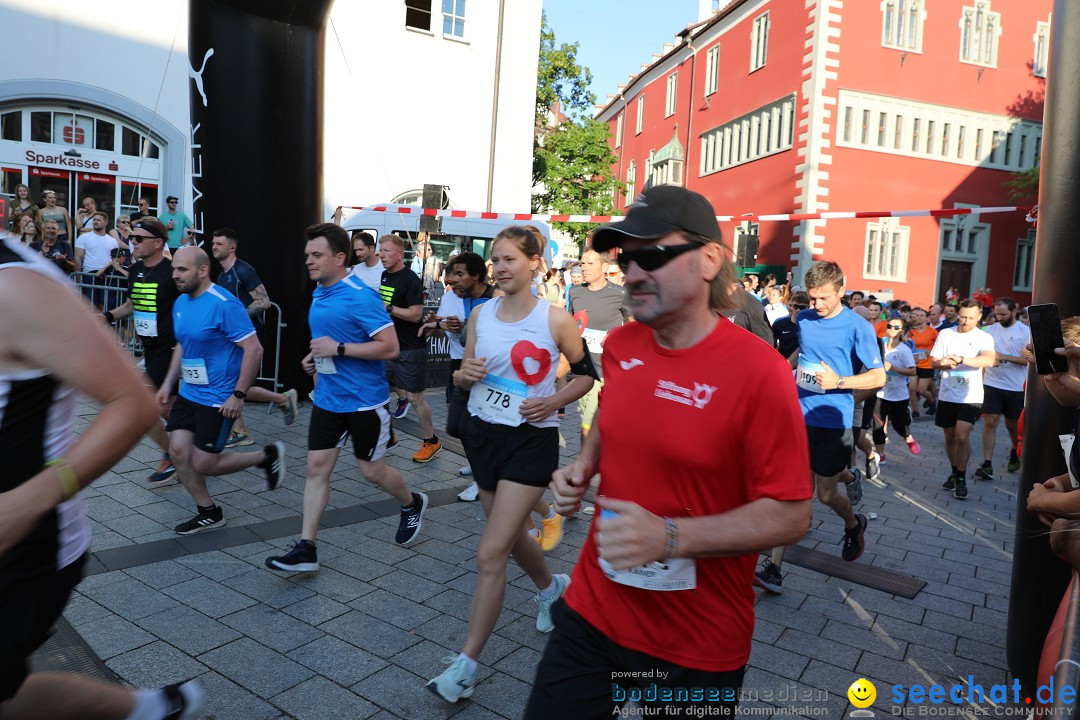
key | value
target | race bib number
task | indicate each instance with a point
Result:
(920, 354)
(961, 380)
(145, 324)
(891, 377)
(193, 371)
(325, 366)
(806, 377)
(594, 339)
(498, 400)
(670, 575)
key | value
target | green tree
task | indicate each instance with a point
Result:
(572, 159)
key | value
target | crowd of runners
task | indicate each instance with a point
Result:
(665, 579)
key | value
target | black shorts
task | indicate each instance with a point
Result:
(408, 371)
(1009, 403)
(211, 428)
(455, 365)
(157, 360)
(950, 413)
(585, 670)
(830, 449)
(924, 373)
(524, 454)
(28, 609)
(863, 417)
(369, 429)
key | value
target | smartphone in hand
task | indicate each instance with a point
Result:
(1045, 338)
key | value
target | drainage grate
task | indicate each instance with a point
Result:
(66, 651)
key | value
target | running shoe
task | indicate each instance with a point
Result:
(427, 451)
(881, 458)
(932, 409)
(873, 467)
(854, 488)
(411, 520)
(949, 484)
(985, 471)
(853, 539)
(207, 519)
(288, 408)
(768, 578)
(183, 701)
(455, 682)
(236, 439)
(465, 471)
(274, 464)
(469, 494)
(543, 618)
(402, 409)
(552, 532)
(912, 445)
(1014, 462)
(393, 440)
(302, 558)
(960, 491)
(164, 475)
(915, 415)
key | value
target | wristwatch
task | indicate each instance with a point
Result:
(341, 348)
(239, 394)
(840, 383)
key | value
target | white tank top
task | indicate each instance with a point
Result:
(522, 358)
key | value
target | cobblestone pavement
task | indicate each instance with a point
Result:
(359, 638)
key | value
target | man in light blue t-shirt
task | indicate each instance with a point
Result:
(216, 358)
(833, 342)
(175, 222)
(351, 336)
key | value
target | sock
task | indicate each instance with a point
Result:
(960, 474)
(955, 470)
(432, 440)
(470, 664)
(551, 590)
(550, 513)
(149, 705)
(206, 510)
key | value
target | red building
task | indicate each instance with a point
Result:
(785, 106)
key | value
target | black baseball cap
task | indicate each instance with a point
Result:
(657, 212)
(172, 198)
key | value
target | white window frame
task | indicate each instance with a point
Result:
(640, 114)
(619, 129)
(1041, 55)
(631, 181)
(672, 97)
(763, 132)
(416, 7)
(1024, 263)
(456, 6)
(759, 42)
(902, 24)
(885, 251)
(712, 70)
(980, 29)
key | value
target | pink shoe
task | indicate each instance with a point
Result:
(912, 445)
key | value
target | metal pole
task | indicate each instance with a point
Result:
(1067, 671)
(495, 106)
(1039, 578)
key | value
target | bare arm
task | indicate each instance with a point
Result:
(67, 224)
(126, 310)
(413, 313)
(80, 253)
(98, 370)
(249, 368)
(985, 359)
(383, 346)
(260, 301)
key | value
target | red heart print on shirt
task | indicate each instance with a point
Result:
(582, 317)
(524, 350)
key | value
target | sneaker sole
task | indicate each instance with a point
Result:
(774, 589)
(435, 689)
(471, 499)
(272, 483)
(203, 528)
(273, 564)
(958, 496)
(429, 458)
(171, 480)
(419, 522)
(403, 413)
(291, 405)
(240, 443)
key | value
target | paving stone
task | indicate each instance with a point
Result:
(875, 639)
(225, 699)
(336, 659)
(424, 658)
(272, 628)
(402, 693)
(503, 694)
(318, 699)
(394, 609)
(128, 597)
(216, 565)
(268, 588)
(155, 665)
(111, 635)
(162, 574)
(316, 610)
(208, 597)
(189, 630)
(336, 586)
(375, 636)
(81, 609)
(813, 646)
(520, 664)
(411, 586)
(359, 567)
(778, 660)
(256, 668)
(431, 568)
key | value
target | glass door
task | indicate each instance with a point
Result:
(102, 188)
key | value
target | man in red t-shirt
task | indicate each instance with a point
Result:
(662, 599)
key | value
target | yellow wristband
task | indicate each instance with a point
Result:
(69, 483)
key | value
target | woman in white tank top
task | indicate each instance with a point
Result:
(512, 349)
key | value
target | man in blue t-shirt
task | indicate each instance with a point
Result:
(216, 359)
(351, 336)
(833, 342)
(242, 281)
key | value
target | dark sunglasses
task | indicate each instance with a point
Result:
(139, 238)
(654, 257)
(799, 307)
(895, 327)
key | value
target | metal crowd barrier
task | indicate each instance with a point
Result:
(1067, 671)
(110, 291)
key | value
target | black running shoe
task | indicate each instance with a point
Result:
(985, 471)
(853, 539)
(165, 473)
(873, 467)
(302, 558)
(950, 483)
(207, 519)
(960, 491)
(412, 518)
(183, 701)
(274, 464)
(1014, 463)
(854, 488)
(768, 578)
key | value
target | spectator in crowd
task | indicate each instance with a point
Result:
(952, 295)
(175, 223)
(426, 266)
(58, 214)
(22, 203)
(59, 251)
(949, 317)
(775, 308)
(785, 331)
(122, 232)
(143, 211)
(85, 215)
(114, 276)
(876, 310)
(29, 226)
(368, 267)
(856, 298)
(93, 252)
(987, 301)
(933, 316)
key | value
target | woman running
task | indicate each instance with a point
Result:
(893, 408)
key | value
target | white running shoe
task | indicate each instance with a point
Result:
(543, 618)
(469, 494)
(465, 471)
(455, 682)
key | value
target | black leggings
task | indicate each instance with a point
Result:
(896, 413)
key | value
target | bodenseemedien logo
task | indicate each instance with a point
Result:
(862, 695)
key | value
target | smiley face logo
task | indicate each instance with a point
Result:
(862, 693)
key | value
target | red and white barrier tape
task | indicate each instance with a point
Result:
(750, 217)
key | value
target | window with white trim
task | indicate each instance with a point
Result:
(902, 24)
(1042, 48)
(618, 129)
(759, 42)
(886, 250)
(1025, 262)
(979, 32)
(640, 114)
(672, 94)
(712, 70)
(453, 18)
(962, 236)
(631, 181)
(765, 131)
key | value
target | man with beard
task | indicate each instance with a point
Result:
(1004, 382)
